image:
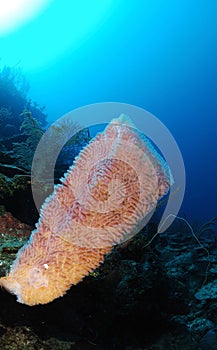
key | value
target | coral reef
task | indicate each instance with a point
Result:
(144, 297)
(24, 151)
(146, 290)
(18, 142)
(13, 96)
(13, 234)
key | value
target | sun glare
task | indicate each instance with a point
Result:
(35, 33)
(14, 13)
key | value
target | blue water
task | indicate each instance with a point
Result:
(159, 55)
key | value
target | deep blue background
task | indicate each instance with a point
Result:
(157, 54)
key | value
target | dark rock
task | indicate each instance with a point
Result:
(209, 340)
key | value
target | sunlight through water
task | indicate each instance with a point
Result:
(14, 14)
(39, 32)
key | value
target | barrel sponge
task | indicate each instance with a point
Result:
(113, 184)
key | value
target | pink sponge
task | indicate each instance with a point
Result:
(113, 184)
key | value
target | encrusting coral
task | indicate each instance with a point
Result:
(113, 184)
